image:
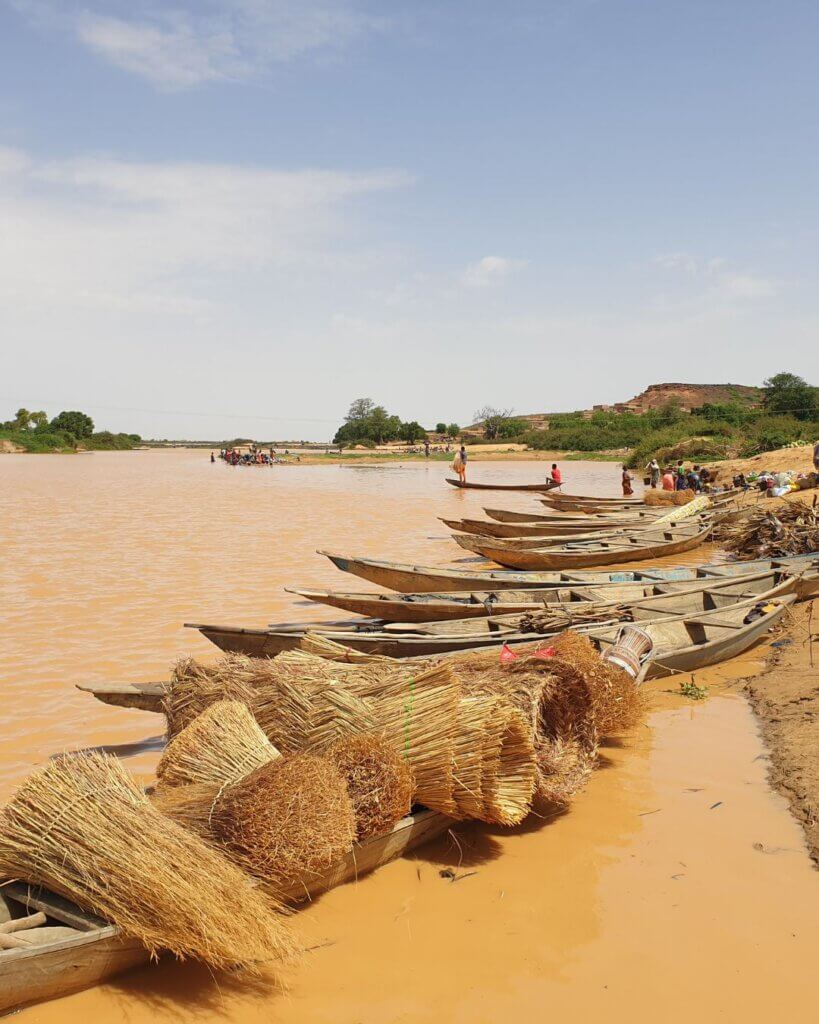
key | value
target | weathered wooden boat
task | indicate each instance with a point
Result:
(705, 596)
(407, 640)
(547, 485)
(475, 542)
(447, 605)
(81, 950)
(488, 528)
(415, 579)
(502, 515)
(637, 547)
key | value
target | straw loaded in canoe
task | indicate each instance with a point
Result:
(437, 607)
(402, 640)
(415, 579)
(547, 485)
(76, 950)
(636, 547)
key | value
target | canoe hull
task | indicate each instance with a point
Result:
(546, 486)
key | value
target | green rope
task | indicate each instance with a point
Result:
(408, 718)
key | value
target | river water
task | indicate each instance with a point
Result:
(677, 884)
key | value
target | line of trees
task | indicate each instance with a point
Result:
(370, 424)
(68, 429)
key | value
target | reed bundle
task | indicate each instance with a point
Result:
(789, 528)
(668, 497)
(379, 781)
(324, 647)
(190, 806)
(194, 687)
(559, 719)
(619, 703)
(83, 828)
(221, 746)
(288, 821)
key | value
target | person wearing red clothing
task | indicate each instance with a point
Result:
(557, 476)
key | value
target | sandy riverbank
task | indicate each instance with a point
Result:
(797, 460)
(786, 700)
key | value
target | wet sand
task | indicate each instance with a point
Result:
(677, 884)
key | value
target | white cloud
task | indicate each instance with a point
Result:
(716, 280)
(490, 270)
(165, 238)
(181, 47)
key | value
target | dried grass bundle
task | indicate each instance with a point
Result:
(559, 718)
(379, 781)
(510, 778)
(619, 702)
(323, 647)
(668, 497)
(287, 822)
(476, 744)
(82, 827)
(221, 746)
(194, 687)
(189, 806)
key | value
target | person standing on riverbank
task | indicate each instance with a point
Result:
(626, 479)
(653, 470)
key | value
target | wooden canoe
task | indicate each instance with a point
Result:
(581, 554)
(547, 485)
(97, 950)
(477, 604)
(475, 542)
(487, 528)
(413, 579)
(409, 640)
(502, 515)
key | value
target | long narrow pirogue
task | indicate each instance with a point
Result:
(414, 640)
(76, 950)
(474, 542)
(581, 554)
(409, 579)
(547, 485)
(447, 605)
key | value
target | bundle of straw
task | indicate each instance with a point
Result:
(194, 687)
(668, 497)
(221, 746)
(324, 647)
(379, 781)
(190, 806)
(83, 828)
(618, 702)
(288, 821)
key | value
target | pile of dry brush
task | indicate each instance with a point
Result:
(791, 528)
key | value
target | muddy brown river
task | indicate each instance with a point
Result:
(677, 886)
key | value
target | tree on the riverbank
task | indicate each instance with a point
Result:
(32, 432)
(74, 422)
(368, 423)
(492, 420)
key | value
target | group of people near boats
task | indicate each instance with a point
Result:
(675, 478)
(252, 457)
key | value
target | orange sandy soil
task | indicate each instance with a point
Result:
(786, 700)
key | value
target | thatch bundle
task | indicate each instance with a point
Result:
(190, 806)
(194, 687)
(786, 528)
(618, 701)
(288, 821)
(379, 781)
(221, 746)
(655, 497)
(559, 719)
(83, 828)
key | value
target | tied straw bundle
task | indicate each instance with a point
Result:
(83, 828)
(221, 746)
(668, 497)
(379, 781)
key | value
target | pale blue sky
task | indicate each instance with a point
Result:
(236, 216)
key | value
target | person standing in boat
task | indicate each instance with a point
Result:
(653, 470)
(557, 476)
(626, 481)
(459, 464)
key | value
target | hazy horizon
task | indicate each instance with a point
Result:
(232, 218)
